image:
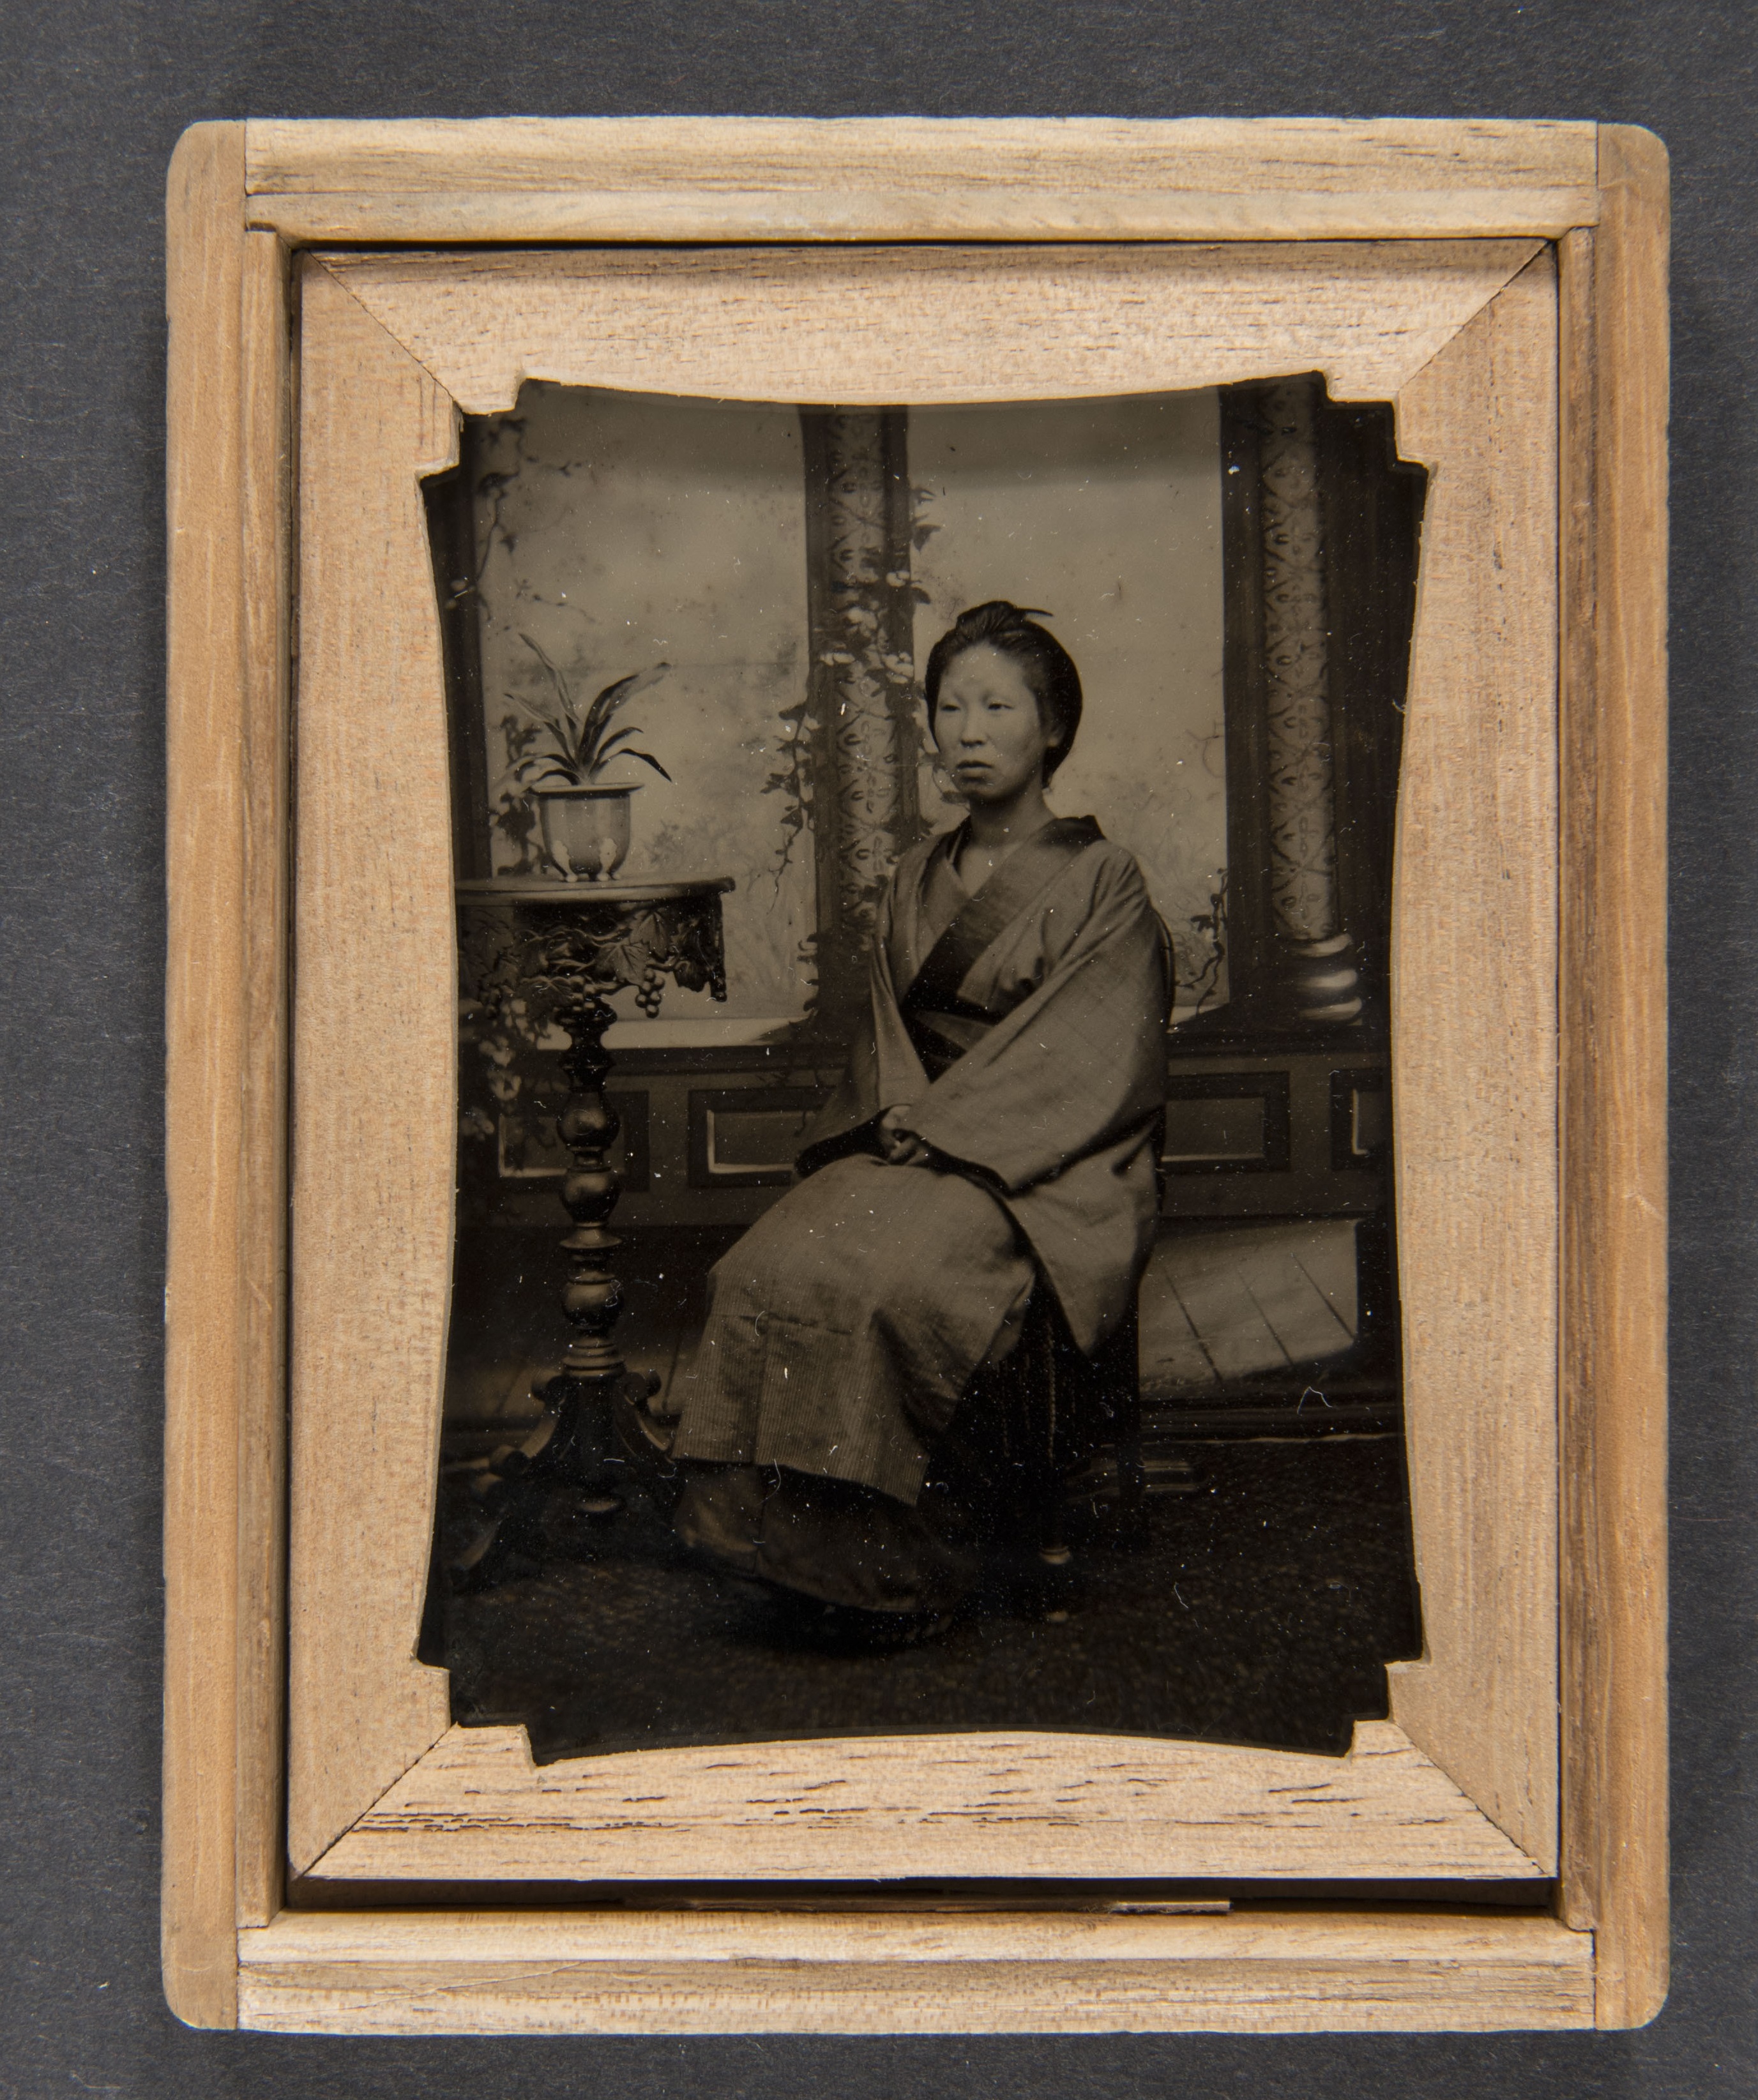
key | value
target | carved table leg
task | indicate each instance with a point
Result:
(559, 1470)
(588, 1126)
(532, 953)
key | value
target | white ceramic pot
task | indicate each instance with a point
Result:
(585, 830)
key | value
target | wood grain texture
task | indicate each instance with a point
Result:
(1614, 1079)
(904, 178)
(207, 1349)
(374, 1097)
(1474, 1055)
(265, 492)
(931, 324)
(1477, 933)
(476, 1808)
(563, 1973)
(760, 181)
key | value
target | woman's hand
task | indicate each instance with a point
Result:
(899, 1145)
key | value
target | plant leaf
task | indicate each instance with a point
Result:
(544, 717)
(558, 677)
(557, 727)
(539, 765)
(646, 758)
(608, 749)
(598, 715)
(564, 727)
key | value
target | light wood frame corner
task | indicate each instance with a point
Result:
(244, 199)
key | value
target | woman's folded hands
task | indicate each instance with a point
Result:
(899, 1145)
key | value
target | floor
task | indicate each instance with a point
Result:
(1262, 1607)
(1242, 1301)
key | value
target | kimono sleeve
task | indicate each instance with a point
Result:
(881, 1070)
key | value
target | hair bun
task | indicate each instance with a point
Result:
(998, 615)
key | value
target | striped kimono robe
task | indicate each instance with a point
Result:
(1021, 1028)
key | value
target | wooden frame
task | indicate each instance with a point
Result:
(1544, 321)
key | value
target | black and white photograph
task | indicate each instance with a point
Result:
(925, 1253)
(890, 864)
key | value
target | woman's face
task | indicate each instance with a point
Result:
(986, 724)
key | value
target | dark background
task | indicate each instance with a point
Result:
(94, 96)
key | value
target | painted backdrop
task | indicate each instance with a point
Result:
(619, 532)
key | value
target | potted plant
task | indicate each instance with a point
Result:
(584, 822)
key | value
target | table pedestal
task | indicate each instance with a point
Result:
(567, 947)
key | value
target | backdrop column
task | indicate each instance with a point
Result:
(862, 605)
(1313, 964)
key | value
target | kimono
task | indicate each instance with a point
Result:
(1021, 1028)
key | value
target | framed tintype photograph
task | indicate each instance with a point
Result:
(916, 1104)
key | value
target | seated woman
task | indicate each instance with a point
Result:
(993, 1135)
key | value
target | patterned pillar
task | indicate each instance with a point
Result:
(864, 674)
(1315, 969)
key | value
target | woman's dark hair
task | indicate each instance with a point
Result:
(1047, 667)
